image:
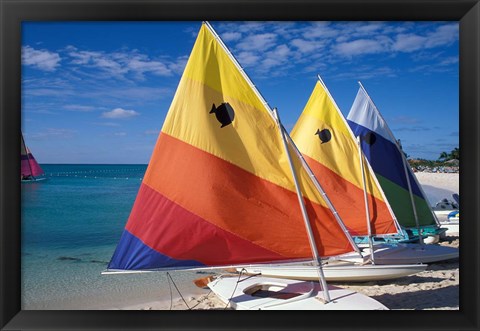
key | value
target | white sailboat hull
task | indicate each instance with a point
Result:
(33, 180)
(443, 212)
(263, 293)
(452, 225)
(338, 272)
(411, 254)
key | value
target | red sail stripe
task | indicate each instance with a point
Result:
(351, 206)
(234, 200)
(174, 231)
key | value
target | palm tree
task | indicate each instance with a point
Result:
(454, 154)
(443, 156)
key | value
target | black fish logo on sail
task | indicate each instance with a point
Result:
(324, 135)
(224, 113)
(369, 138)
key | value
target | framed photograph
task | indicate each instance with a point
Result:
(95, 95)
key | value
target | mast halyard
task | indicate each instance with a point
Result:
(323, 193)
(365, 195)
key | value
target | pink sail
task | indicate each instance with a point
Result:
(29, 166)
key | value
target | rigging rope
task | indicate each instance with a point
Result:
(233, 293)
(171, 298)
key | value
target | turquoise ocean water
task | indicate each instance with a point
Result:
(71, 223)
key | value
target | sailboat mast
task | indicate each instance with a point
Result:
(404, 160)
(324, 195)
(306, 219)
(365, 196)
(420, 239)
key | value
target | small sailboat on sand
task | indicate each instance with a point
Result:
(402, 190)
(383, 151)
(30, 170)
(286, 294)
(224, 188)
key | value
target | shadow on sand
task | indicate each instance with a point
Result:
(424, 299)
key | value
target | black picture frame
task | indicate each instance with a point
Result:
(14, 12)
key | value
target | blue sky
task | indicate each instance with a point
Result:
(98, 92)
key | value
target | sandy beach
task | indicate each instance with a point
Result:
(436, 288)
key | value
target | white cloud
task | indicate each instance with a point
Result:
(444, 35)
(449, 60)
(139, 67)
(120, 113)
(53, 133)
(405, 120)
(109, 65)
(248, 58)
(79, 108)
(258, 42)
(359, 47)
(82, 57)
(306, 46)
(251, 27)
(231, 36)
(409, 42)
(281, 52)
(40, 59)
(119, 64)
(276, 57)
(320, 30)
(106, 124)
(369, 28)
(366, 72)
(179, 65)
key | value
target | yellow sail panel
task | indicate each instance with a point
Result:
(323, 137)
(227, 142)
(224, 112)
(322, 134)
(211, 65)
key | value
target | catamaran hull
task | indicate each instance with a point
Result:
(342, 273)
(263, 293)
(411, 254)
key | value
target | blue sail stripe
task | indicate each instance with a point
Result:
(385, 159)
(132, 254)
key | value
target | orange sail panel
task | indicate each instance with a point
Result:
(324, 138)
(218, 189)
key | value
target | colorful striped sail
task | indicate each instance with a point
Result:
(29, 168)
(388, 162)
(218, 189)
(330, 149)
